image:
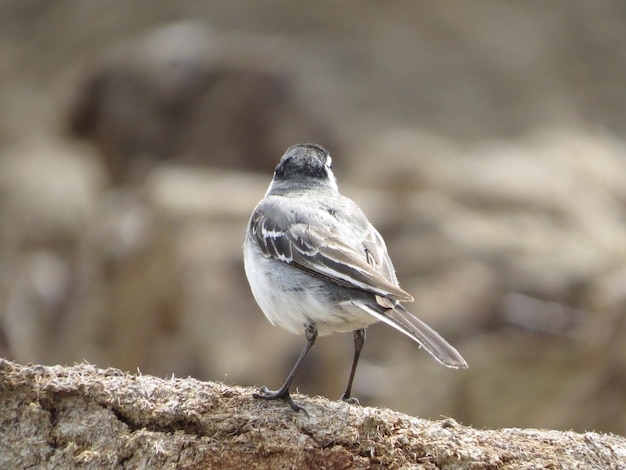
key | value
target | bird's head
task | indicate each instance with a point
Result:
(305, 165)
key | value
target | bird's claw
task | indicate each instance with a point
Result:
(267, 394)
(350, 400)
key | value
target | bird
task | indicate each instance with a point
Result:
(317, 266)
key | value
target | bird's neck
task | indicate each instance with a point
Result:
(290, 188)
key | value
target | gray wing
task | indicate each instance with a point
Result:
(325, 253)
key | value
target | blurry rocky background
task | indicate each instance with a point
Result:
(485, 140)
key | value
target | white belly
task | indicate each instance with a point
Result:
(292, 299)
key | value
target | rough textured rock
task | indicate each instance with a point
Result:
(84, 417)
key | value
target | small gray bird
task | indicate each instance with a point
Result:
(316, 265)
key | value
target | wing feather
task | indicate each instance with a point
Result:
(323, 252)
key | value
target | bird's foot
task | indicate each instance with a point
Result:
(350, 400)
(282, 394)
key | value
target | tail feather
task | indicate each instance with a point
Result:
(405, 322)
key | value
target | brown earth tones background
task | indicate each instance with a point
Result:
(484, 140)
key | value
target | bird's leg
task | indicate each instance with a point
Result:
(359, 341)
(283, 392)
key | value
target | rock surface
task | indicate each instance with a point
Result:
(83, 417)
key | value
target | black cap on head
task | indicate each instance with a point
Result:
(304, 160)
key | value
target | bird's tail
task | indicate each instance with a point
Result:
(405, 322)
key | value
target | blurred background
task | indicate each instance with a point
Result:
(483, 139)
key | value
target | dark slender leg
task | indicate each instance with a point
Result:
(283, 392)
(359, 341)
